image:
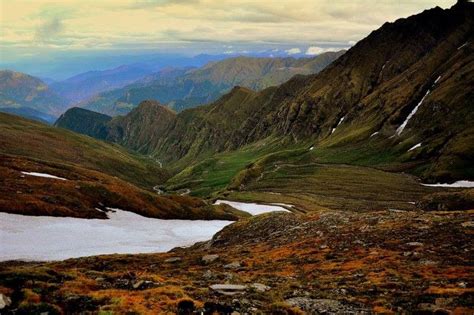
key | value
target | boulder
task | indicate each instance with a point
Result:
(207, 259)
(5, 301)
(233, 265)
(228, 289)
(260, 287)
(414, 244)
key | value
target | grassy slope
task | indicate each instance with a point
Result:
(309, 179)
(99, 175)
(23, 137)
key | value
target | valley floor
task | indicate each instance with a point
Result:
(388, 261)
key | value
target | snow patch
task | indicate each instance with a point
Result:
(413, 112)
(458, 184)
(375, 133)
(463, 45)
(253, 208)
(340, 122)
(54, 238)
(416, 146)
(311, 149)
(437, 79)
(43, 175)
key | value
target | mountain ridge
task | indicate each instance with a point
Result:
(185, 88)
(27, 95)
(358, 101)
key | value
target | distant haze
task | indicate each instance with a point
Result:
(44, 31)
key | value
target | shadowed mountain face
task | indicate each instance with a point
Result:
(186, 88)
(85, 122)
(408, 82)
(28, 96)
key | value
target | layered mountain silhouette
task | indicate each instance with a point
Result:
(188, 87)
(404, 94)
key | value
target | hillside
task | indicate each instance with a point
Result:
(186, 88)
(359, 104)
(28, 96)
(92, 175)
(329, 263)
(369, 108)
(86, 122)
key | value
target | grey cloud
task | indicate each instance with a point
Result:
(48, 30)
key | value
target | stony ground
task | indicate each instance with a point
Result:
(330, 262)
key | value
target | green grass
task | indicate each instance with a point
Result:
(347, 177)
(214, 173)
(22, 137)
(317, 186)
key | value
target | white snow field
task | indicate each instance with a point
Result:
(253, 208)
(52, 238)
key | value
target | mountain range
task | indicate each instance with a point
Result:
(28, 96)
(400, 98)
(185, 88)
(118, 90)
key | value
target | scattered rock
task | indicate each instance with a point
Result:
(233, 265)
(208, 274)
(427, 262)
(207, 259)
(228, 289)
(260, 287)
(143, 284)
(5, 301)
(322, 306)
(468, 224)
(414, 244)
(173, 260)
(137, 284)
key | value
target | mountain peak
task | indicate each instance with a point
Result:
(153, 105)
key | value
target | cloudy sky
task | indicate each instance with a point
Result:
(29, 27)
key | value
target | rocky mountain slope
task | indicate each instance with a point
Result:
(28, 96)
(185, 88)
(401, 96)
(332, 262)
